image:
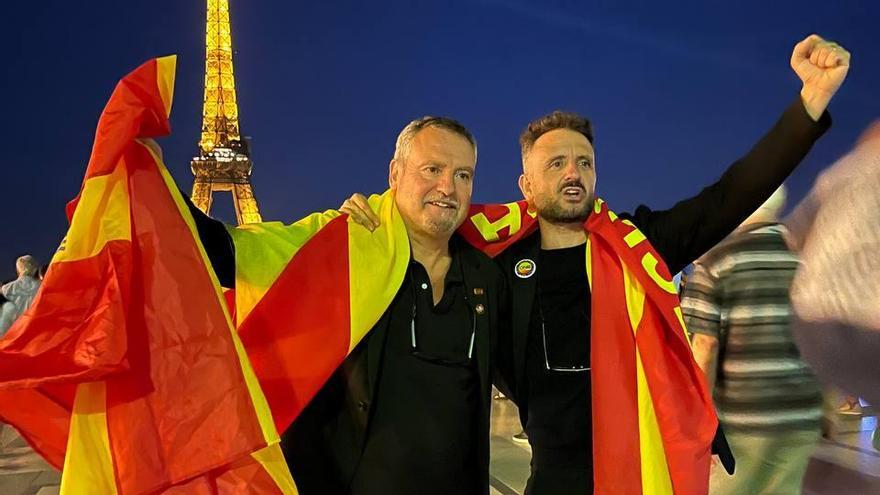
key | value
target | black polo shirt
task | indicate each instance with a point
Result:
(423, 431)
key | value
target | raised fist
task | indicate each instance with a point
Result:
(822, 66)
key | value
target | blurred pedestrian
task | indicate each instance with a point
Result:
(836, 292)
(7, 315)
(737, 306)
(21, 291)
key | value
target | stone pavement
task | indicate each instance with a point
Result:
(22, 471)
(845, 464)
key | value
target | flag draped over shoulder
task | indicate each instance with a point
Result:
(126, 371)
(653, 418)
(307, 293)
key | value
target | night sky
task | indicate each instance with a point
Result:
(675, 93)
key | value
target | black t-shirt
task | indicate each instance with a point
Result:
(438, 384)
(559, 416)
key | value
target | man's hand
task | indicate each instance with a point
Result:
(822, 66)
(359, 211)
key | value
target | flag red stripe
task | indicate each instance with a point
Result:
(616, 448)
(686, 425)
(135, 110)
(243, 477)
(684, 411)
(184, 407)
(299, 332)
(56, 341)
(42, 419)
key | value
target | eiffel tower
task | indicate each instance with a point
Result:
(224, 162)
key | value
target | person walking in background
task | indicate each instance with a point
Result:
(7, 315)
(737, 306)
(21, 291)
(835, 293)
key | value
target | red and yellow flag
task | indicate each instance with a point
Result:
(129, 372)
(653, 418)
(308, 292)
(126, 372)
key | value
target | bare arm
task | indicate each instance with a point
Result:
(702, 303)
(705, 349)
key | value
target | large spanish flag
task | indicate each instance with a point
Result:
(126, 372)
(653, 417)
(130, 372)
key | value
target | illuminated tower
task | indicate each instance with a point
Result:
(224, 162)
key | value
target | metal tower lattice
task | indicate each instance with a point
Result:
(224, 162)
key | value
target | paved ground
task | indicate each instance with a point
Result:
(847, 464)
(22, 472)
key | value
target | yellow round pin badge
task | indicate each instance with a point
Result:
(524, 268)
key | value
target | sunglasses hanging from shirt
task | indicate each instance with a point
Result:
(426, 356)
(574, 368)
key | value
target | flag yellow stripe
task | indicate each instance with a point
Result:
(680, 317)
(261, 406)
(377, 265)
(589, 263)
(635, 298)
(101, 215)
(165, 69)
(272, 460)
(655, 471)
(263, 250)
(88, 464)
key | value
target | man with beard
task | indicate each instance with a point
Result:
(552, 361)
(408, 410)
(546, 360)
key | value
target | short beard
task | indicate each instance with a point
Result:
(442, 225)
(555, 213)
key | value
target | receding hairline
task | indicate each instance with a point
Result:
(558, 119)
(526, 153)
(403, 145)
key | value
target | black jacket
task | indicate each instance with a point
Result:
(324, 445)
(680, 234)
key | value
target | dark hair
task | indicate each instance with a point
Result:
(556, 120)
(404, 139)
